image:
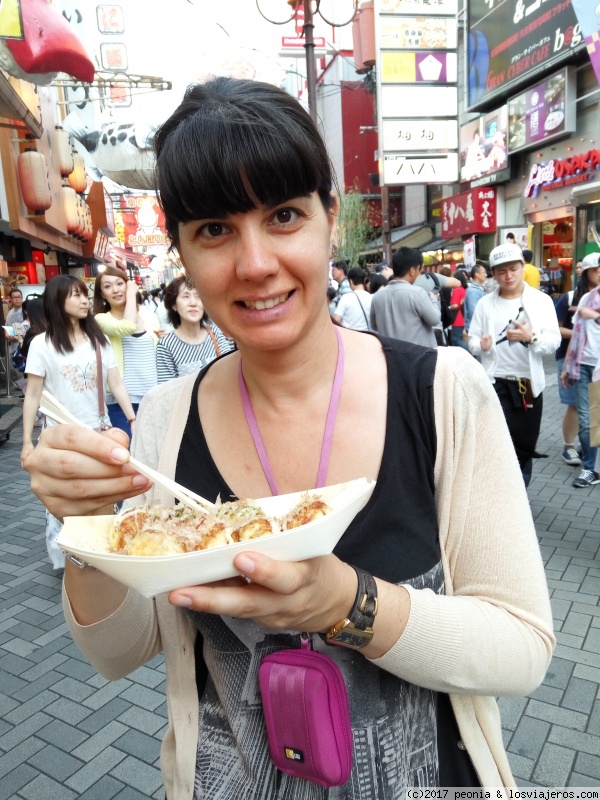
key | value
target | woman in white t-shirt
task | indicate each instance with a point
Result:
(63, 362)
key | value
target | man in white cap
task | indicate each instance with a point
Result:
(512, 329)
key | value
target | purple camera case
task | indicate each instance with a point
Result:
(307, 715)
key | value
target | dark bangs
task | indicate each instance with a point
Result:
(234, 141)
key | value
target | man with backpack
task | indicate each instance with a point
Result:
(433, 283)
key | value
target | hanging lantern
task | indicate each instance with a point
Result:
(64, 150)
(70, 206)
(78, 177)
(34, 181)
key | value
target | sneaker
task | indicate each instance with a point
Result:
(588, 477)
(571, 457)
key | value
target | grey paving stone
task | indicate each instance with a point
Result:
(548, 694)
(65, 737)
(139, 745)
(22, 752)
(11, 784)
(568, 640)
(529, 737)
(97, 720)
(594, 724)
(96, 744)
(143, 697)
(577, 779)
(592, 640)
(25, 710)
(30, 690)
(141, 720)
(521, 767)
(580, 695)
(577, 624)
(140, 776)
(104, 789)
(68, 711)
(587, 764)
(554, 765)
(559, 673)
(511, 711)
(45, 787)
(560, 608)
(19, 733)
(559, 716)
(576, 740)
(105, 762)
(578, 656)
(55, 763)
(107, 693)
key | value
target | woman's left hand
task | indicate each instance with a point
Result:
(310, 595)
(587, 313)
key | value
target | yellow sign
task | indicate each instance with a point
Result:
(398, 67)
(11, 24)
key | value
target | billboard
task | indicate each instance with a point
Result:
(512, 41)
(544, 112)
(483, 147)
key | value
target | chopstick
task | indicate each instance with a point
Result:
(54, 409)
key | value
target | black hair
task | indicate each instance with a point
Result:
(376, 282)
(14, 290)
(232, 143)
(357, 275)
(583, 287)
(460, 275)
(404, 259)
(331, 293)
(59, 327)
(171, 295)
(527, 256)
(33, 312)
(343, 265)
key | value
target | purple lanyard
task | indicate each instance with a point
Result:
(334, 402)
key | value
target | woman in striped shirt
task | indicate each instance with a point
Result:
(194, 342)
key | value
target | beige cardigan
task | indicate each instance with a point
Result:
(491, 634)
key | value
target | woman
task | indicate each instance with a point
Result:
(194, 341)
(457, 299)
(63, 361)
(33, 313)
(581, 359)
(246, 186)
(132, 335)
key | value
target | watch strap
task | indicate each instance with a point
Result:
(364, 610)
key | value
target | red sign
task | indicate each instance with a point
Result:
(297, 41)
(469, 212)
(561, 172)
(144, 221)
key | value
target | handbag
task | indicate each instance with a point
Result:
(211, 333)
(104, 423)
(594, 393)
(307, 715)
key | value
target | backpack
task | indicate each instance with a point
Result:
(447, 318)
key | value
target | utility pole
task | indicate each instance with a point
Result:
(311, 72)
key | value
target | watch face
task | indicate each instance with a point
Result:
(351, 637)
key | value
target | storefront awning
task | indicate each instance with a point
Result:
(408, 236)
(443, 244)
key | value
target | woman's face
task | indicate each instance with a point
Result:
(77, 304)
(188, 304)
(593, 276)
(262, 275)
(113, 290)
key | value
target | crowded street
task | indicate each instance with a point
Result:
(67, 733)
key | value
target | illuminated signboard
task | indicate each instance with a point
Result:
(513, 41)
(545, 111)
(561, 172)
(419, 7)
(420, 168)
(408, 135)
(483, 149)
(418, 33)
(469, 212)
(412, 101)
(419, 67)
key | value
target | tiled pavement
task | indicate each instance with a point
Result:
(66, 733)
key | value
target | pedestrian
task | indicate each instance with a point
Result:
(246, 186)
(339, 273)
(405, 311)
(14, 317)
(439, 288)
(377, 281)
(457, 300)
(354, 308)
(570, 425)
(531, 273)
(475, 292)
(512, 329)
(195, 341)
(132, 334)
(581, 360)
(64, 362)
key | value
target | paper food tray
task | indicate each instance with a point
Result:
(87, 538)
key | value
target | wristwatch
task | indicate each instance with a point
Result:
(534, 338)
(356, 630)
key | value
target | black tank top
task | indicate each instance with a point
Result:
(395, 536)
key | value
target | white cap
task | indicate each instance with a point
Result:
(505, 254)
(590, 261)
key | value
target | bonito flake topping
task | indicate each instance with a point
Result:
(158, 530)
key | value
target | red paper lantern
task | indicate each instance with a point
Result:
(34, 181)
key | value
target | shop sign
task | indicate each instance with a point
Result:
(469, 212)
(544, 112)
(422, 67)
(588, 19)
(415, 134)
(418, 33)
(419, 7)
(512, 41)
(411, 101)
(420, 168)
(144, 221)
(561, 172)
(483, 149)
(11, 22)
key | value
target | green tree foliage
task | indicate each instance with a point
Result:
(354, 228)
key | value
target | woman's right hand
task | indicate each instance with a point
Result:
(486, 343)
(76, 471)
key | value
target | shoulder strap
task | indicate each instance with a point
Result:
(211, 333)
(362, 308)
(99, 380)
(435, 279)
